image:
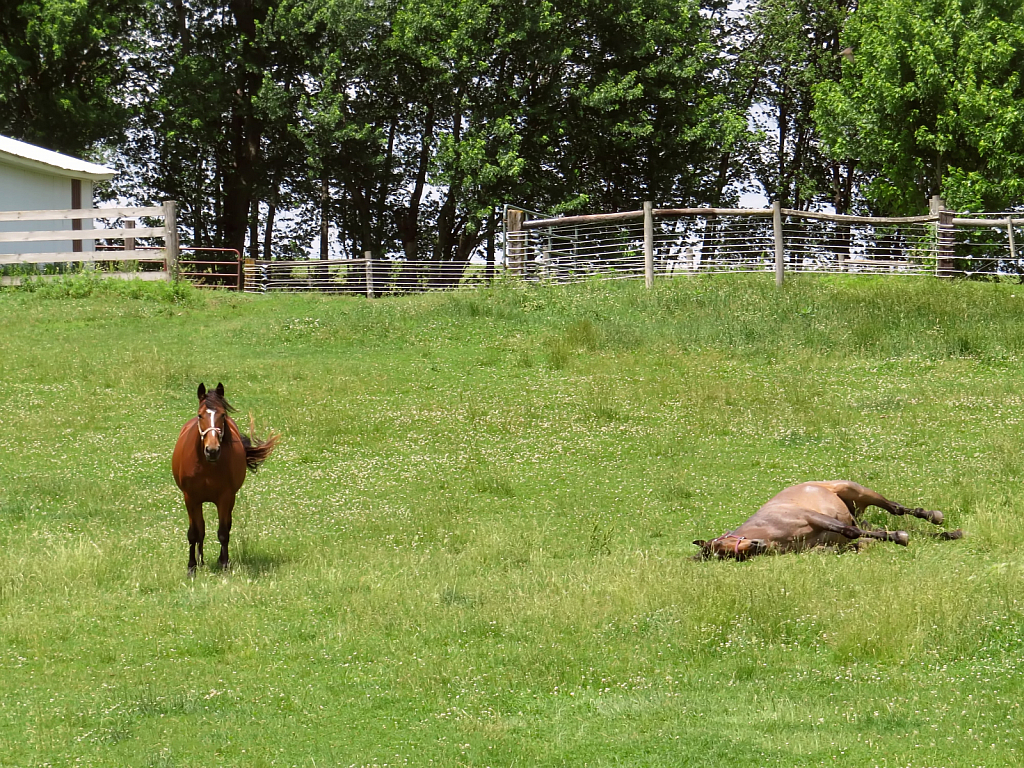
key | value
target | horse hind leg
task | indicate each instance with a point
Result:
(931, 515)
(860, 498)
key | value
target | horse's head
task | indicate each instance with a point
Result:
(213, 418)
(731, 545)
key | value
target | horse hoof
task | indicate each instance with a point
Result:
(901, 537)
(936, 517)
(191, 571)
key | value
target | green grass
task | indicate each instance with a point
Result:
(473, 544)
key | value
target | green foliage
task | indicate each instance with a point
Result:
(645, 113)
(81, 285)
(786, 49)
(458, 558)
(63, 71)
(406, 126)
(932, 103)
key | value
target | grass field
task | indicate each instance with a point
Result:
(473, 544)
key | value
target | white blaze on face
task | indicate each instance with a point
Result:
(212, 428)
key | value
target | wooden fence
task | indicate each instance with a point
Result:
(165, 258)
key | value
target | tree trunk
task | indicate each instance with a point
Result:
(356, 280)
(449, 238)
(268, 230)
(781, 186)
(199, 234)
(325, 199)
(383, 187)
(254, 231)
(408, 220)
(181, 12)
(218, 206)
(245, 129)
(795, 167)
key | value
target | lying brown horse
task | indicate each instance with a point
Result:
(209, 464)
(813, 515)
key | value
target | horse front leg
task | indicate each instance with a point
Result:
(196, 533)
(859, 498)
(224, 508)
(897, 537)
(821, 522)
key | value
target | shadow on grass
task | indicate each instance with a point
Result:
(257, 561)
(249, 553)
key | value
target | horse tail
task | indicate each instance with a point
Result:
(256, 450)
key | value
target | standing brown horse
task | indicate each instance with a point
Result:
(813, 515)
(209, 464)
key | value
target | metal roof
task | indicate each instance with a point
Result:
(18, 153)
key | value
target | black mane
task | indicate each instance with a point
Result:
(217, 401)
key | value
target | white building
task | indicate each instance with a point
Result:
(33, 179)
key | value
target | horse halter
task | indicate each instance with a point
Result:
(727, 534)
(213, 426)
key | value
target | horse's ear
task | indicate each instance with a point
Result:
(701, 543)
(220, 389)
(202, 391)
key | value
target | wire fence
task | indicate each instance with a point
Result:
(613, 246)
(989, 245)
(676, 242)
(372, 277)
(824, 246)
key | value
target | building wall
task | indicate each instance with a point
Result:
(22, 189)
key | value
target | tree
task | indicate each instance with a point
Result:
(428, 115)
(647, 109)
(789, 47)
(198, 133)
(932, 103)
(64, 67)
(403, 126)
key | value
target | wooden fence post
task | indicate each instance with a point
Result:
(1013, 244)
(171, 238)
(944, 264)
(515, 247)
(944, 238)
(76, 203)
(129, 242)
(780, 254)
(368, 255)
(649, 244)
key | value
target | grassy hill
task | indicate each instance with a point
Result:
(473, 544)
